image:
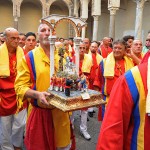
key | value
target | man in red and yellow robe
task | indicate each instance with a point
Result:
(11, 125)
(110, 69)
(126, 121)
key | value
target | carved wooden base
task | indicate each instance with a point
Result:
(74, 101)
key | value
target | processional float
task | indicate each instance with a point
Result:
(77, 99)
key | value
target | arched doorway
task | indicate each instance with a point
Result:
(31, 13)
(6, 17)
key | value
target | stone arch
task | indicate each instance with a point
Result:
(60, 8)
(77, 30)
(6, 8)
(54, 20)
(40, 1)
(30, 15)
(67, 2)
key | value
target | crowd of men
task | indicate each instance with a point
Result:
(25, 114)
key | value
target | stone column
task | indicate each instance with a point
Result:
(71, 28)
(139, 17)
(16, 22)
(45, 10)
(112, 21)
(84, 15)
(77, 41)
(95, 28)
(76, 8)
(83, 29)
(83, 32)
(52, 49)
(16, 13)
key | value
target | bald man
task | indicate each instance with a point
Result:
(87, 43)
(11, 124)
(105, 49)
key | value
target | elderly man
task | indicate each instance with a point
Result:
(110, 69)
(11, 125)
(127, 119)
(137, 51)
(51, 125)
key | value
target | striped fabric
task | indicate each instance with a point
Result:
(30, 62)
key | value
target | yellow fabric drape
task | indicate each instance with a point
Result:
(110, 65)
(4, 61)
(87, 63)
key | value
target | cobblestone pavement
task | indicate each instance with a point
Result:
(93, 130)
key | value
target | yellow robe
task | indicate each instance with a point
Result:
(23, 83)
(87, 63)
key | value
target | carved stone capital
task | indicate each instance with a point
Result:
(140, 3)
(96, 17)
(16, 8)
(113, 10)
(15, 18)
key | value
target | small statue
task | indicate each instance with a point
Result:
(83, 83)
(62, 83)
(53, 82)
(57, 85)
(68, 83)
(61, 52)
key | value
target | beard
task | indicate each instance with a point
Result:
(45, 41)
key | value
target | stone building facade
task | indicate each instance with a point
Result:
(114, 18)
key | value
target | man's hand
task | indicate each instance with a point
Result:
(37, 95)
(42, 97)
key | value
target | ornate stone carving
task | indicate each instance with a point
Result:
(75, 101)
(96, 18)
(113, 10)
(16, 9)
(140, 3)
(59, 18)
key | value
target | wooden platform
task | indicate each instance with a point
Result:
(74, 101)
